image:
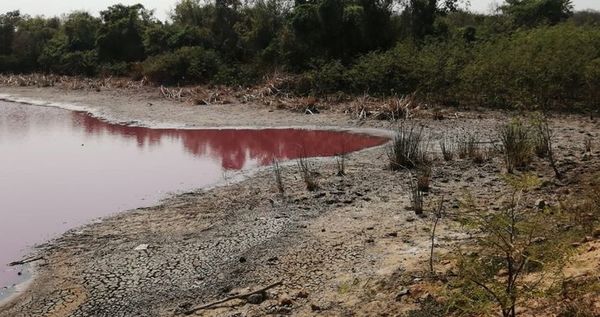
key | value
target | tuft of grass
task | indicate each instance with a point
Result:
(469, 147)
(340, 162)
(309, 173)
(416, 197)
(542, 139)
(448, 149)
(424, 177)
(516, 145)
(588, 144)
(278, 178)
(408, 149)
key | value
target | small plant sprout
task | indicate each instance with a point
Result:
(424, 177)
(416, 197)
(278, 177)
(588, 144)
(437, 216)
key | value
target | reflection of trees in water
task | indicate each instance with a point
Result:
(234, 147)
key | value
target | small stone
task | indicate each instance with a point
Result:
(141, 247)
(314, 307)
(592, 249)
(540, 204)
(403, 292)
(286, 301)
(302, 294)
(255, 298)
(392, 234)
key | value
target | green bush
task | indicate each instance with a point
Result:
(185, 65)
(544, 67)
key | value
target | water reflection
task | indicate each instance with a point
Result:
(234, 147)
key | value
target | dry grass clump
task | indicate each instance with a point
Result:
(469, 147)
(543, 140)
(408, 149)
(517, 145)
(448, 149)
(424, 177)
(416, 197)
(308, 173)
(340, 163)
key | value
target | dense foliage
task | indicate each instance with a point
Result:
(531, 53)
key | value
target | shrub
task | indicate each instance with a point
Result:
(408, 149)
(187, 64)
(516, 145)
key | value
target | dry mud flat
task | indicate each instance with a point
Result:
(349, 248)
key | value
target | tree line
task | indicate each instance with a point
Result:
(526, 53)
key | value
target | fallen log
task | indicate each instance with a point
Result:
(240, 296)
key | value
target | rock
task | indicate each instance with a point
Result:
(392, 234)
(242, 260)
(302, 294)
(596, 233)
(256, 298)
(403, 292)
(314, 307)
(410, 219)
(141, 247)
(286, 301)
(540, 204)
(538, 240)
(370, 241)
(575, 244)
(592, 249)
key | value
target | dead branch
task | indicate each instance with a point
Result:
(240, 296)
(25, 261)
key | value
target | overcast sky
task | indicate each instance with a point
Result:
(162, 7)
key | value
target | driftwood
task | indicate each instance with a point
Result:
(240, 296)
(25, 261)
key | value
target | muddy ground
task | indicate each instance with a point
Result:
(351, 248)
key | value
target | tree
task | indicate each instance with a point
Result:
(510, 244)
(530, 13)
(81, 30)
(120, 38)
(8, 24)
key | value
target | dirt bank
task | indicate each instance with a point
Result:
(346, 249)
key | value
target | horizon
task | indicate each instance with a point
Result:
(162, 8)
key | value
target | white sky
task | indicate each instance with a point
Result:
(162, 7)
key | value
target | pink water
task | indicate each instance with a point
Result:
(60, 169)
